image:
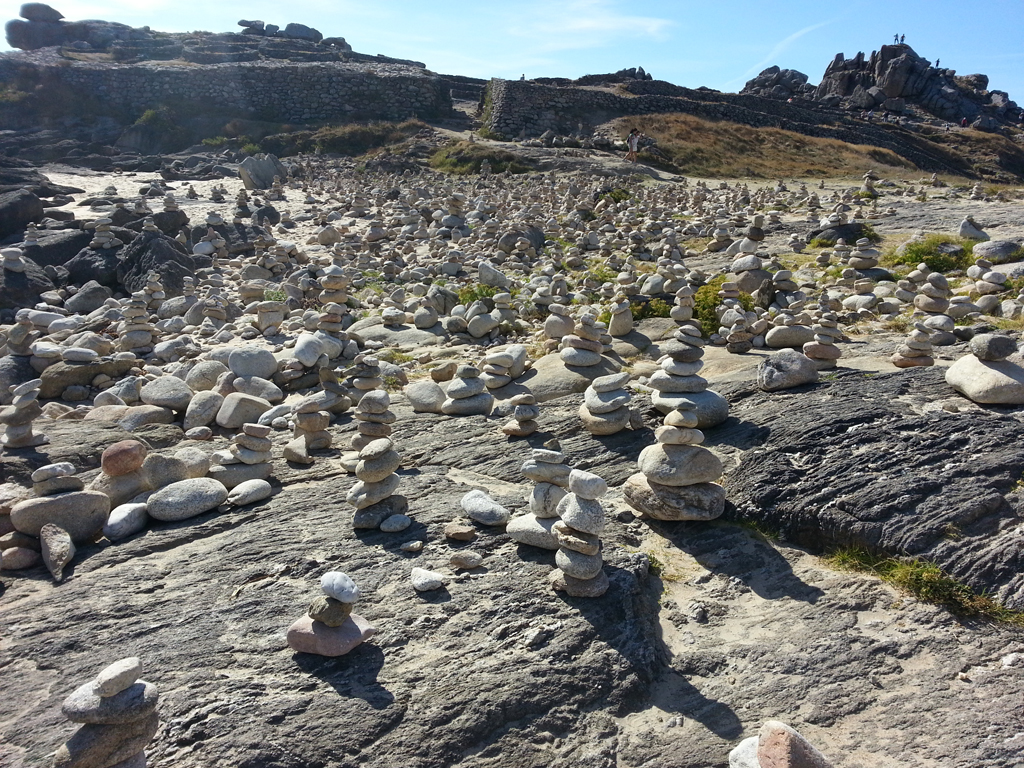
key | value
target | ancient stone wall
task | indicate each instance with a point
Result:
(515, 107)
(274, 91)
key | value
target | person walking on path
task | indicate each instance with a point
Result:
(632, 144)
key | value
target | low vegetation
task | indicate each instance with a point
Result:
(706, 301)
(697, 147)
(350, 140)
(464, 157)
(930, 251)
(926, 582)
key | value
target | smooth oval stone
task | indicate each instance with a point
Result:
(125, 520)
(309, 636)
(378, 468)
(249, 492)
(483, 509)
(375, 449)
(586, 515)
(587, 485)
(679, 464)
(426, 581)
(611, 382)
(365, 494)
(118, 676)
(544, 498)
(395, 523)
(577, 565)
(85, 705)
(533, 531)
(339, 586)
(186, 498)
(51, 471)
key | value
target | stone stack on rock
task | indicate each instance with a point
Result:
(583, 348)
(373, 419)
(119, 717)
(678, 378)
(13, 260)
(580, 571)
(330, 628)
(682, 312)
(467, 394)
(933, 300)
(373, 495)
(309, 433)
(548, 470)
(524, 416)
(621, 321)
(986, 375)
(605, 409)
(863, 256)
(558, 324)
(17, 417)
(365, 376)
(987, 280)
(136, 332)
(916, 350)
(823, 351)
(677, 474)
(249, 458)
(497, 369)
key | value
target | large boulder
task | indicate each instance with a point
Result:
(99, 265)
(258, 171)
(22, 289)
(152, 252)
(784, 369)
(59, 247)
(991, 382)
(302, 32)
(17, 209)
(39, 12)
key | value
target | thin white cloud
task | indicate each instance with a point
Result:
(581, 24)
(778, 50)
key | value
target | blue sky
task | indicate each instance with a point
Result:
(712, 43)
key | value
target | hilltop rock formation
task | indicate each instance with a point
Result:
(776, 83)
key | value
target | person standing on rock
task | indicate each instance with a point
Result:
(902, 39)
(896, 39)
(633, 144)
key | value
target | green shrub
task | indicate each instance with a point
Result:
(216, 141)
(602, 274)
(270, 295)
(652, 308)
(471, 293)
(250, 148)
(925, 581)
(706, 301)
(465, 157)
(927, 251)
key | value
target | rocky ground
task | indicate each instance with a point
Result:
(708, 630)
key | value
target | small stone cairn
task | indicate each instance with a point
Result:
(916, 350)
(373, 495)
(621, 321)
(679, 368)
(309, 433)
(605, 409)
(118, 712)
(823, 351)
(524, 416)
(558, 324)
(13, 260)
(580, 571)
(373, 419)
(682, 312)
(583, 348)
(136, 332)
(677, 474)
(330, 628)
(548, 470)
(17, 418)
(863, 256)
(467, 394)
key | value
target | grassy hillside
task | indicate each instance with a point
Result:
(722, 149)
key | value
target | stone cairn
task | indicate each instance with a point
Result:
(309, 433)
(558, 324)
(682, 312)
(17, 418)
(677, 474)
(583, 348)
(13, 260)
(547, 469)
(467, 394)
(933, 300)
(119, 715)
(823, 351)
(580, 571)
(916, 350)
(373, 419)
(136, 330)
(621, 321)
(373, 495)
(679, 368)
(524, 416)
(605, 409)
(365, 376)
(330, 628)
(496, 369)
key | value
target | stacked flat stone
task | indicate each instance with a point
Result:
(558, 324)
(170, 204)
(503, 309)
(677, 474)
(496, 369)
(248, 458)
(13, 260)
(334, 286)
(365, 376)
(17, 417)
(309, 433)
(373, 419)
(580, 571)
(467, 394)
(584, 347)
(682, 312)
(605, 409)
(916, 349)
(933, 300)
(679, 368)
(136, 332)
(373, 495)
(548, 470)
(330, 628)
(524, 416)
(987, 280)
(823, 351)
(118, 712)
(863, 256)
(103, 237)
(621, 322)
(154, 291)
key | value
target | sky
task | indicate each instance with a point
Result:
(714, 43)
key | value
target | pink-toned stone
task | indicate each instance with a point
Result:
(309, 636)
(780, 746)
(123, 457)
